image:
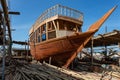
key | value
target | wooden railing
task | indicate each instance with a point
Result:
(59, 10)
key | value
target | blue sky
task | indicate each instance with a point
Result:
(30, 10)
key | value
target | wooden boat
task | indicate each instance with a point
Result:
(56, 36)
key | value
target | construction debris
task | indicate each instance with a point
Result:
(22, 70)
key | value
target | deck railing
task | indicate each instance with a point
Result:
(60, 10)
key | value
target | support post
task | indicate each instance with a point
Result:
(92, 52)
(27, 47)
(50, 60)
(105, 49)
(4, 50)
(47, 31)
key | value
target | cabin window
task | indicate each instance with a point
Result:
(31, 37)
(71, 27)
(67, 26)
(35, 36)
(39, 38)
(38, 35)
(43, 32)
(79, 29)
(43, 29)
(43, 37)
(51, 31)
(51, 27)
(39, 30)
(61, 27)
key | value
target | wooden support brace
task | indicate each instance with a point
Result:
(93, 28)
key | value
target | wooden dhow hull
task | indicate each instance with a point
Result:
(63, 51)
(59, 49)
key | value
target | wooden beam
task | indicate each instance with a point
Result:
(5, 10)
(93, 28)
(47, 31)
(54, 24)
(58, 27)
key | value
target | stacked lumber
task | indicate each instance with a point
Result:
(21, 70)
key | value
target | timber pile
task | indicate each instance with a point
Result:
(21, 70)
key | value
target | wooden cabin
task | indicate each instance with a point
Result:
(56, 22)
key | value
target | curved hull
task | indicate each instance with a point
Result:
(59, 49)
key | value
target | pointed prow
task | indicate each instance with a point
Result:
(98, 24)
(90, 32)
